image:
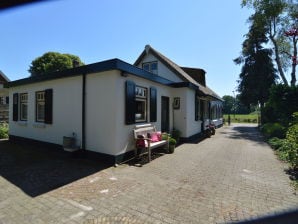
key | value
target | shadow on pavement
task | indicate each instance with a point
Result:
(290, 217)
(37, 170)
(246, 132)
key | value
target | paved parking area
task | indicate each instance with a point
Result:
(231, 177)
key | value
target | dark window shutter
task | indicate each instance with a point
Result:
(48, 117)
(130, 102)
(7, 100)
(153, 104)
(202, 109)
(15, 113)
(196, 108)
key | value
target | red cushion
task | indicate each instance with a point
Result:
(140, 143)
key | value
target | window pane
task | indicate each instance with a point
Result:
(140, 110)
(146, 67)
(154, 67)
(40, 106)
(24, 113)
(40, 111)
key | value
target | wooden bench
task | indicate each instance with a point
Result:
(141, 133)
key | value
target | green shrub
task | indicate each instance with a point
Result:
(172, 141)
(164, 136)
(275, 142)
(289, 148)
(271, 130)
(3, 130)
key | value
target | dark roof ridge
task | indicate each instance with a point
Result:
(4, 76)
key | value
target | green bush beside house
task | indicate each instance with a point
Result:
(3, 130)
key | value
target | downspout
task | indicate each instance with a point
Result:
(84, 111)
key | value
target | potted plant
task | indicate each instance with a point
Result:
(164, 136)
(176, 134)
(172, 144)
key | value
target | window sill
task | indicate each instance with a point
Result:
(22, 123)
(39, 125)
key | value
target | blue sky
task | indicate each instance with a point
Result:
(192, 33)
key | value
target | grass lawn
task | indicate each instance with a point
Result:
(242, 118)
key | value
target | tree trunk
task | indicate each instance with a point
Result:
(293, 73)
(262, 112)
(277, 59)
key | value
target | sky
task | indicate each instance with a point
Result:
(192, 33)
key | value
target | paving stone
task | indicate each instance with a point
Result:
(230, 177)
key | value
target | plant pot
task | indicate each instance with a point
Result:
(171, 148)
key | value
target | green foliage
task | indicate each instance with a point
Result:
(275, 142)
(258, 73)
(172, 141)
(233, 105)
(3, 130)
(164, 136)
(287, 149)
(273, 130)
(228, 104)
(281, 105)
(242, 118)
(290, 146)
(52, 62)
(276, 17)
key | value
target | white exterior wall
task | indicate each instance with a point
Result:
(180, 115)
(106, 131)
(102, 106)
(163, 71)
(184, 118)
(192, 126)
(125, 139)
(67, 108)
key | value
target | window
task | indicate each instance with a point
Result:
(150, 67)
(136, 103)
(197, 108)
(40, 106)
(2, 100)
(23, 106)
(141, 104)
(44, 106)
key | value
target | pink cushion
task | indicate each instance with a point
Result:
(154, 137)
(159, 135)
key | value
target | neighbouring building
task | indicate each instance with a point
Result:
(4, 98)
(101, 103)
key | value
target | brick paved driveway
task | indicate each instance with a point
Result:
(232, 176)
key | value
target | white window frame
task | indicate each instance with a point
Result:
(23, 106)
(141, 94)
(40, 102)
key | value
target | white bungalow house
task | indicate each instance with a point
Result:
(4, 99)
(101, 103)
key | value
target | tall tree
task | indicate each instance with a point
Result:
(276, 16)
(52, 62)
(228, 104)
(258, 73)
